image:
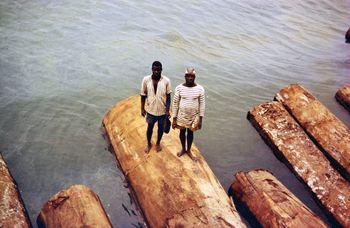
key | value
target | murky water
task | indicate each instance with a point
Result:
(63, 64)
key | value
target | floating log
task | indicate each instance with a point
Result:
(323, 127)
(347, 36)
(343, 96)
(76, 206)
(12, 210)
(291, 144)
(271, 202)
(171, 191)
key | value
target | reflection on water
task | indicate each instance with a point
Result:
(64, 64)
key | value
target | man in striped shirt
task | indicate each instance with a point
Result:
(155, 93)
(188, 109)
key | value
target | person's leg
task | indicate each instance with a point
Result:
(150, 127)
(160, 132)
(189, 139)
(183, 141)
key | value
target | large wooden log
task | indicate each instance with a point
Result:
(12, 211)
(291, 143)
(171, 191)
(343, 96)
(76, 206)
(271, 202)
(323, 127)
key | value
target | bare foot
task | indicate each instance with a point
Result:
(182, 152)
(191, 155)
(148, 148)
(158, 147)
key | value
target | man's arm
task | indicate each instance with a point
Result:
(201, 101)
(143, 101)
(167, 104)
(176, 102)
(143, 94)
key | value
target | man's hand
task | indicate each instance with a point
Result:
(143, 112)
(200, 123)
(174, 124)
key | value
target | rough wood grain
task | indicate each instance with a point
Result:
(271, 202)
(343, 96)
(171, 191)
(291, 143)
(76, 206)
(323, 127)
(12, 211)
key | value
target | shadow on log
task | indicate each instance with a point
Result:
(271, 202)
(323, 127)
(171, 191)
(288, 140)
(76, 206)
(343, 96)
(12, 210)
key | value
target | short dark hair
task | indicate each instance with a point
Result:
(156, 64)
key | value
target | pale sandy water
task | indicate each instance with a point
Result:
(63, 64)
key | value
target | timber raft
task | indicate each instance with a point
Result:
(323, 127)
(271, 202)
(343, 96)
(291, 144)
(76, 206)
(171, 191)
(12, 210)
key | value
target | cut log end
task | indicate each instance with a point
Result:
(271, 202)
(77, 206)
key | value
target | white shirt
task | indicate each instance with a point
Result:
(188, 103)
(155, 102)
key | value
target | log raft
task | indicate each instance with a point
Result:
(323, 127)
(271, 202)
(291, 144)
(343, 96)
(170, 191)
(76, 206)
(12, 210)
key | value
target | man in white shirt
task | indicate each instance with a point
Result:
(155, 102)
(188, 109)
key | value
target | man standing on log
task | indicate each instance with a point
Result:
(188, 109)
(155, 93)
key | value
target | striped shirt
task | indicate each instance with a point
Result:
(155, 102)
(188, 103)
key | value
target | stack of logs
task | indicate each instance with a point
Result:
(302, 132)
(314, 144)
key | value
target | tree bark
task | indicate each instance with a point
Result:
(271, 202)
(343, 96)
(12, 210)
(171, 191)
(291, 143)
(77, 206)
(323, 127)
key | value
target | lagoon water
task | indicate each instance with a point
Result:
(63, 64)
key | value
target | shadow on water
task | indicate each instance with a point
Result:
(134, 208)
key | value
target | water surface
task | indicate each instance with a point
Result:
(63, 64)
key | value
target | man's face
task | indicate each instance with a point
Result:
(156, 70)
(190, 79)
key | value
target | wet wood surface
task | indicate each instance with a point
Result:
(271, 202)
(12, 211)
(76, 206)
(323, 127)
(343, 96)
(291, 144)
(171, 191)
